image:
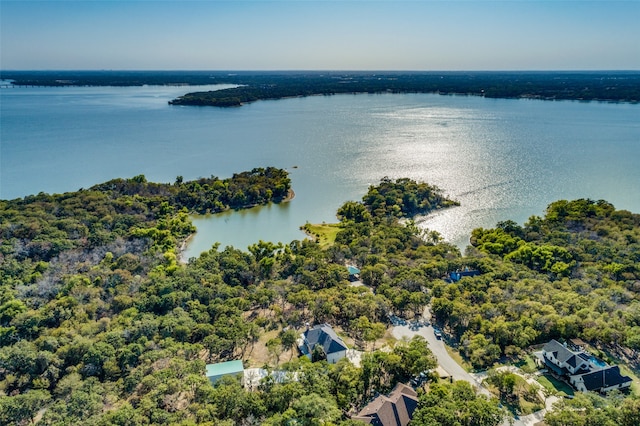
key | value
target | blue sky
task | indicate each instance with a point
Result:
(320, 35)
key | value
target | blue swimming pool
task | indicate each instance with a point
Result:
(353, 270)
(597, 362)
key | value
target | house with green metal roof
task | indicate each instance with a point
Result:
(230, 368)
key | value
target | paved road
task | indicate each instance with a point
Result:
(438, 348)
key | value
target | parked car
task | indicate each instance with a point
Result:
(438, 333)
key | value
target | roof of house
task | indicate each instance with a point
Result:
(323, 335)
(584, 356)
(466, 272)
(393, 410)
(604, 378)
(223, 368)
(560, 352)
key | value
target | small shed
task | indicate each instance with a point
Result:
(229, 368)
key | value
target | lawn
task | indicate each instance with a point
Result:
(554, 385)
(324, 233)
(635, 385)
(527, 364)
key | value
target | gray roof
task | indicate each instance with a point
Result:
(571, 361)
(560, 353)
(324, 336)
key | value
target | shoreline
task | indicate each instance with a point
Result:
(290, 196)
(183, 247)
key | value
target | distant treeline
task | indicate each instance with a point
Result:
(107, 78)
(617, 86)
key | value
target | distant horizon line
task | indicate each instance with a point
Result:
(319, 70)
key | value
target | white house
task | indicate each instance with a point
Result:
(564, 361)
(583, 371)
(324, 336)
(604, 380)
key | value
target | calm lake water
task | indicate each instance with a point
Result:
(502, 159)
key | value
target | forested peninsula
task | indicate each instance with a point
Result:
(611, 86)
(548, 86)
(100, 325)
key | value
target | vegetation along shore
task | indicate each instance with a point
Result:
(101, 325)
(611, 86)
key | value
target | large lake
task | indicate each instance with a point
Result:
(502, 159)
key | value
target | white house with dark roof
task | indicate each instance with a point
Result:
(564, 361)
(583, 371)
(322, 334)
(604, 380)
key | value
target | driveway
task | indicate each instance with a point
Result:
(445, 361)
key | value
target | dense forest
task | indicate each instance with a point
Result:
(618, 86)
(101, 325)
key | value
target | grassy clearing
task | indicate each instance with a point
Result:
(387, 340)
(324, 233)
(527, 364)
(527, 407)
(635, 384)
(553, 385)
(525, 403)
(259, 355)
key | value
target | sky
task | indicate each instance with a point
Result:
(319, 35)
